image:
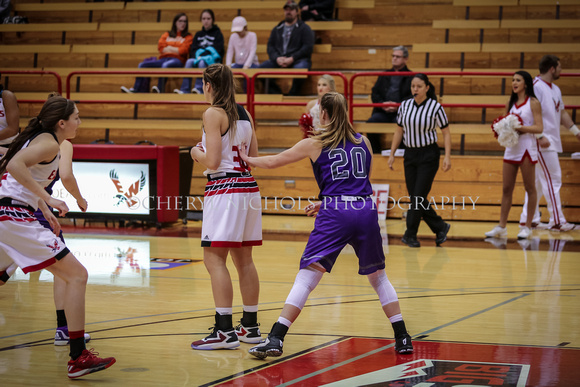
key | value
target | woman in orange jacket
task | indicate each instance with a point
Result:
(173, 50)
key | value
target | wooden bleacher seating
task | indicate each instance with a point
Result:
(548, 2)
(531, 47)
(350, 47)
(43, 27)
(447, 47)
(225, 26)
(158, 26)
(466, 24)
(144, 49)
(70, 6)
(486, 3)
(172, 5)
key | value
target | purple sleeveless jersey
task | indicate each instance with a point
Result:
(348, 214)
(344, 170)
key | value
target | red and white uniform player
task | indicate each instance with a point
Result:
(232, 213)
(549, 173)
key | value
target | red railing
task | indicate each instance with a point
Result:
(38, 72)
(250, 93)
(157, 73)
(352, 105)
(272, 103)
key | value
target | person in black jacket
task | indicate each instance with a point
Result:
(290, 45)
(207, 48)
(390, 89)
(316, 9)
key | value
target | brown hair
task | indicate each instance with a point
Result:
(547, 62)
(55, 108)
(223, 85)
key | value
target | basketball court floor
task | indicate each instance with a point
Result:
(496, 313)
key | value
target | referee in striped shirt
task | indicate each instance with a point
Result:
(418, 118)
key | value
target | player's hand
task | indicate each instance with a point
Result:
(197, 150)
(544, 142)
(391, 161)
(83, 204)
(54, 224)
(312, 209)
(59, 205)
(50, 218)
(243, 152)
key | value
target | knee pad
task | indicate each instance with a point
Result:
(306, 281)
(385, 290)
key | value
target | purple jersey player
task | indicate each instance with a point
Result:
(341, 160)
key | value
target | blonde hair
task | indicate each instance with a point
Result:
(330, 80)
(223, 85)
(339, 129)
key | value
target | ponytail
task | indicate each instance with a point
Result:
(431, 91)
(221, 78)
(339, 129)
(55, 108)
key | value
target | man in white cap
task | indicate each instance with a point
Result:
(242, 46)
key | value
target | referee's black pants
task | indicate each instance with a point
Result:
(421, 165)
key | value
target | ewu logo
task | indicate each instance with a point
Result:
(134, 189)
(442, 373)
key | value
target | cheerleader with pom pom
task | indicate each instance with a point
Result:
(310, 120)
(516, 132)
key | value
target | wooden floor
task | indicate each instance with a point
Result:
(479, 312)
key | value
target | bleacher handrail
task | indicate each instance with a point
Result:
(39, 72)
(352, 105)
(258, 73)
(184, 73)
(250, 92)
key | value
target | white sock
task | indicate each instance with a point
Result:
(250, 308)
(284, 321)
(224, 311)
(395, 318)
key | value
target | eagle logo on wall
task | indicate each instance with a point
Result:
(128, 196)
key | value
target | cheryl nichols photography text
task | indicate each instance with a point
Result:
(288, 203)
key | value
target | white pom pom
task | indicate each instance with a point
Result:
(506, 130)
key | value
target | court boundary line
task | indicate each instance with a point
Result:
(528, 292)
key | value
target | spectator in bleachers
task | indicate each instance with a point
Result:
(173, 48)
(242, 46)
(290, 45)
(207, 49)
(318, 10)
(392, 89)
(325, 85)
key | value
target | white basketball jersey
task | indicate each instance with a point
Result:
(550, 98)
(43, 174)
(231, 161)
